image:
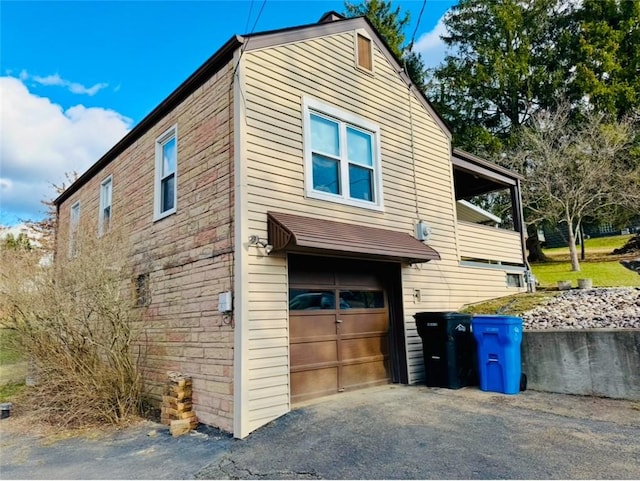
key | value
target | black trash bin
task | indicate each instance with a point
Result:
(449, 349)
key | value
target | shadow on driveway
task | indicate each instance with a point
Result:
(391, 432)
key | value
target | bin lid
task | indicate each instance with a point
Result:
(496, 319)
(442, 323)
(441, 316)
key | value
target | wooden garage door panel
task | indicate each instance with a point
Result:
(371, 348)
(312, 384)
(364, 374)
(311, 326)
(366, 322)
(311, 353)
(338, 328)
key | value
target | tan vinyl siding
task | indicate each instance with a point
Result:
(324, 69)
(489, 243)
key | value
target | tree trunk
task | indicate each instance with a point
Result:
(533, 245)
(573, 252)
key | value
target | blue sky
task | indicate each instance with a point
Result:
(76, 76)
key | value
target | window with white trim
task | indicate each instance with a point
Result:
(342, 156)
(104, 221)
(515, 280)
(166, 182)
(73, 228)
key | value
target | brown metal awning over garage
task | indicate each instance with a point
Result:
(295, 233)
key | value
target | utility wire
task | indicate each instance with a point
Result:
(244, 45)
(258, 17)
(246, 27)
(415, 31)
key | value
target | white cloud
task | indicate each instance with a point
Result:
(40, 142)
(48, 80)
(431, 46)
(56, 80)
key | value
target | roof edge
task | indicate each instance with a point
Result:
(260, 40)
(474, 159)
(210, 67)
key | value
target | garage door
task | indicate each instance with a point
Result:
(338, 326)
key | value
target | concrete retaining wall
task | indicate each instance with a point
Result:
(598, 362)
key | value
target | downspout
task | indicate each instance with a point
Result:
(56, 234)
(241, 233)
(528, 274)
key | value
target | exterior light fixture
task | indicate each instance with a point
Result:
(255, 240)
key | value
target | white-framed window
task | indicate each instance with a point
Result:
(74, 221)
(166, 178)
(106, 193)
(342, 156)
(515, 279)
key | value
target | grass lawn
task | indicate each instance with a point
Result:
(9, 391)
(592, 247)
(511, 305)
(9, 354)
(604, 274)
(13, 368)
(599, 265)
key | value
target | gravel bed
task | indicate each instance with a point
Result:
(617, 308)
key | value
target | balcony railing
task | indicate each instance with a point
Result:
(483, 243)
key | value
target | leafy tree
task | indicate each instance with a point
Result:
(502, 68)
(573, 170)
(390, 24)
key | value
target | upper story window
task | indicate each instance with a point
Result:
(166, 183)
(73, 228)
(342, 156)
(364, 52)
(104, 221)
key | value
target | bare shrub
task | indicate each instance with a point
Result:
(78, 326)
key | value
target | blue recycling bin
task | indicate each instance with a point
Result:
(499, 361)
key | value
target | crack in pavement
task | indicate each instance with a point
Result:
(229, 468)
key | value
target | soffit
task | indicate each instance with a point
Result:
(474, 176)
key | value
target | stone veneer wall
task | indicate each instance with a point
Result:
(188, 256)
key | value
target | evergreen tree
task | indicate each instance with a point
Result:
(604, 48)
(502, 69)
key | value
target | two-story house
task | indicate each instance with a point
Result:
(290, 206)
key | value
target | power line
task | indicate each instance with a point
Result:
(413, 37)
(258, 17)
(246, 27)
(244, 45)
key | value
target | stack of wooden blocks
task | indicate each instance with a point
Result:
(177, 408)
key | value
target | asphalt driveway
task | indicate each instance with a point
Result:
(392, 432)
